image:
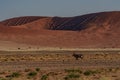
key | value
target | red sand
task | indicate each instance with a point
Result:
(97, 30)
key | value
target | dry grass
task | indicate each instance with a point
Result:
(7, 56)
(64, 60)
(74, 74)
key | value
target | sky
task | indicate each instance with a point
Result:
(63, 8)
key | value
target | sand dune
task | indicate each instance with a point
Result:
(96, 30)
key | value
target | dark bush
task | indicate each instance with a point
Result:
(32, 74)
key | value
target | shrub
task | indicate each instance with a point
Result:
(32, 74)
(37, 69)
(66, 78)
(15, 74)
(71, 76)
(89, 72)
(73, 70)
(44, 77)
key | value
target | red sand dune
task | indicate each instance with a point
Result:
(88, 31)
(20, 20)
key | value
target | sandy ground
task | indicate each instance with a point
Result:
(14, 46)
(20, 60)
(53, 64)
(21, 64)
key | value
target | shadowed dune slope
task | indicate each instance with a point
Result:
(96, 30)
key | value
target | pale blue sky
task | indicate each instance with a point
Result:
(16, 8)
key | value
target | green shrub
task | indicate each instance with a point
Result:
(71, 76)
(15, 74)
(37, 69)
(66, 77)
(44, 77)
(89, 72)
(32, 74)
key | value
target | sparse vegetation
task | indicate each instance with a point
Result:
(73, 73)
(3, 79)
(90, 72)
(14, 74)
(32, 74)
(37, 69)
(71, 76)
(44, 77)
(67, 74)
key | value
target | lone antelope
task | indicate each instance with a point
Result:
(77, 56)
